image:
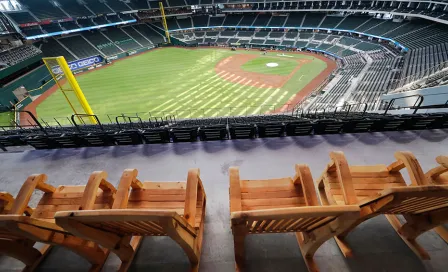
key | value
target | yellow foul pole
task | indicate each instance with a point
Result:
(165, 26)
(75, 87)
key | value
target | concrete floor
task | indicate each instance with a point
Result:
(375, 244)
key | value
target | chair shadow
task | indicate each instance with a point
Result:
(372, 138)
(36, 154)
(185, 147)
(308, 141)
(246, 144)
(124, 150)
(90, 152)
(152, 256)
(277, 142)
(65, 153)
(340, 139)
(273, 252)
(149, 150)
(215, 146)
(402, 137)
(434, 135)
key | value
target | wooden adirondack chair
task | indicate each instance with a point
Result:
(40, 225)
(17, 246)
(174, 209)
(381, 189)
(439, 176)
(284, 205)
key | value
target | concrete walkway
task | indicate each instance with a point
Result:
(375, 244)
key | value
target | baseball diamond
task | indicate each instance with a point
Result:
(201, 82)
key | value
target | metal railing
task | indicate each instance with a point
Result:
(418, 102)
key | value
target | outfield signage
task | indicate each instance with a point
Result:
(79, 64)
(78, 30)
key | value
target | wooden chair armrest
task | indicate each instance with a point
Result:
(191, 196)
(8, 200)
(33, 182)
(407, 160)
(235, 189)
(344, 177)
(434, 173)
(295, 213)
(97, 180)
(128, 179)
(443, 161)
(304, 178)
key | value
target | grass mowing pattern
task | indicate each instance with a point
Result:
(6, 118)
(258, 65)
(175, 81)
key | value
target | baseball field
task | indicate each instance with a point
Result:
(193, 83)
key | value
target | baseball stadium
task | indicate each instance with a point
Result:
(126, 126)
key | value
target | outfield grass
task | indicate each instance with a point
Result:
(5, 118)
(178, 81)
(258, 65)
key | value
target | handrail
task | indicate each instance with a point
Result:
(129, 118)
(35, 121)
(416, 107)
(80, 115)
(350, 108)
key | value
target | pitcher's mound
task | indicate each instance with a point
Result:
(272, 64)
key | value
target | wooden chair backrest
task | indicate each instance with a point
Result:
(41, 222)
(359, 184)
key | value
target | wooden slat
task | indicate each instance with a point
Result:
(368, 186)
(252, 208)
(166, 185)
(422, 204)
(293, 224)
(320, 223)
(293, 192)
(273, 201)
(270, 225)
(144, 195)
(235, 189)
(155, 205)
(344, 177)
(373, 171)
(287, 182)
(300, 225)
(191, 196)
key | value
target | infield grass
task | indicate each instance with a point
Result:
(181, 82)
(259, 65)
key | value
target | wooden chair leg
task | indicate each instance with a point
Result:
(199, 239)
(90, 251)
(238, 242)
(412, 244)
(134, 243)
(185, 240)
(443, 232)
(27, 254)
(44, 250)
(307, 257)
